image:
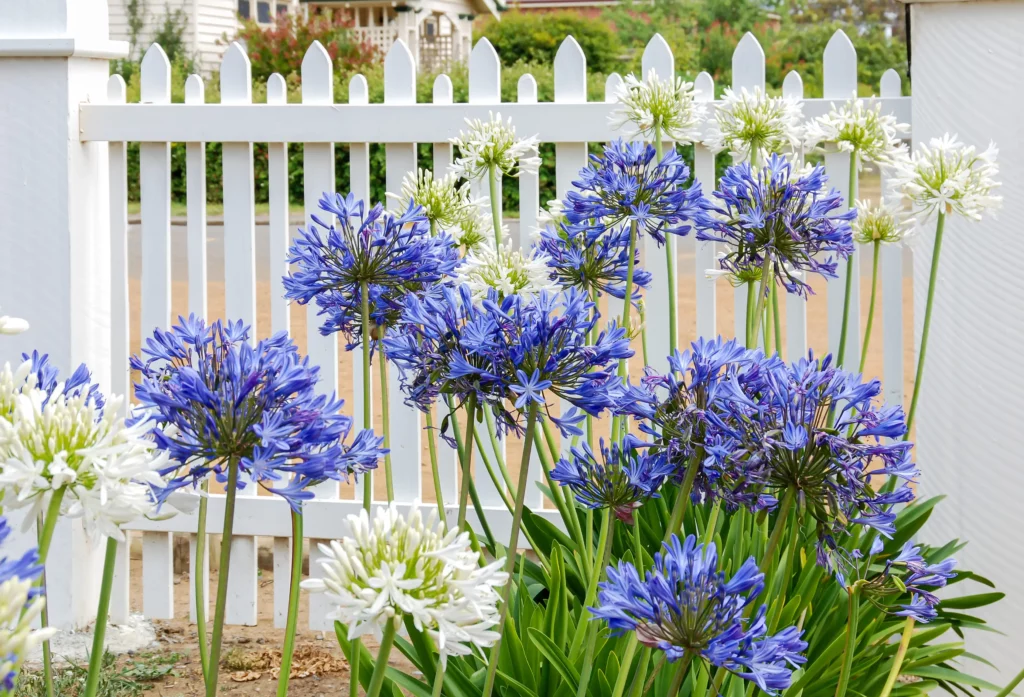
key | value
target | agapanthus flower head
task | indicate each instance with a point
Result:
(686, 606)
(856, 127)
(390, 254)
(945, 176)
(600, 264)
(12, 325)
(67, 441)
(884, 222)
(781, 219)
(506, 269)
(404, 565)
(627, 475)
(511, 353)
(653, 105)
(20, 605)
(626, 185)
(688, 410)
(443, 202)
(475, 229)
(906, 573)
(494, 144)
(212, 398)
(755, 125)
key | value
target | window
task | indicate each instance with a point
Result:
(243, 9)
(263, 12)
(282, 9)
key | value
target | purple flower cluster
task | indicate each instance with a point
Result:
(214, 398)
(390, 255)
(686, 606)
(908, 572)
(511, 351)
(628, 475)
(775, 218)
(78, 383)
(625, 185)
(590, 265)
(24, 568)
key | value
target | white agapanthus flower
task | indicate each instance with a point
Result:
(856, 127)
(18, 638)
(493, 143)
(553, 215)
(68, 444)
(404, 565)
(476, 229)
(14, 382)
(886, 223)
(753, 123)
(445, 202)
(12, 325)
(506, 269)
(653, 105)
(946, 176)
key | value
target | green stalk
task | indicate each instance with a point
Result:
(288, 650)
(495, 448)
(201, 581)
(605, 543)
(627, 306)
(851, 641)
(901, 653)
(932, 282)
(681, 673)
(716, 686)
(627, 658)
(670, 262)
(466, 455)
(556, 494)
(438, 681)
(849, 267)
(513, 544)
(96, 657)
(45, 537)
(780, 527)
(222, 580)
(871, 305)
(762, 294)
(777, 317)
(638, 547)
(434, 471)
(364, 294)
(709, 532)
(492, 182)
(568, 502)
(683, 495)
(380, 667)
(749, 337)
(1005, 692)
(382, 363)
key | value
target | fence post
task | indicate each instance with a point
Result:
(54, 210)
(966, 428)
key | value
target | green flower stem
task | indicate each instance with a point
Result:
(100, 631)
(364, 294)
(849, 267)
(556, 494)
(381, 666)
(460, 448)
(605, 544)
(777, 319)
(492, 182)
(762, 294)
(438, 681)
(643, 331)
(709, 531)
(932, 282)
(681, 673)
(428, 419)
(901, 653)
(568, 502)
(782, 579)
(779, 529)
(638, 546)
(513, 544)
(660, 663)
(288, 650)
(716, 686)
(382, 363)
(670, 262)
(466, 456)
(871, 305)
(636, 686)
(627, 306)
(1012, 684)
(627, 659)
(201, 581)
(675, 523)
(496, 448)
(222, 581)
(853, 616)
(479, 508)
(44, 538)
(748, 336)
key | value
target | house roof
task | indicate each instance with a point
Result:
(528, 4)
(479, 6)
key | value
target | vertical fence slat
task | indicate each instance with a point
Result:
(155, 190)
(278, 198)
(282, 579)
(839, 68)
(529, 182)
(611, 91)
(892, 289)
(202, 576)
(318, 178)
(704, 252)
(796, 306)
(658, 57)
(400, 159)
(442, 94)
(240, 302)
(195, 161)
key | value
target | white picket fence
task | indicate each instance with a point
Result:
(571, 122)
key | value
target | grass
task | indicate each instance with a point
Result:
(180, 210)
(126, 680)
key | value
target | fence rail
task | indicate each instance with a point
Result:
(400, 123)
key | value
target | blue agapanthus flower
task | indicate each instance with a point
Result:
(686, 606)
(907, 572)
(77, 384)
(213, 398)
(775, 218)
(592, 265)
(17, 635)
(626, 476)
(389, 254)
(625, 185)
(510, 353)
(26, 567)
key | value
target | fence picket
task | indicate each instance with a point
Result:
(279, 226)
(282, 579)
(796, 306)
(195, 161)
(839, 68)
(442, 151)
(155, 186)
(891, 288)
(704, 252)
(529, 182)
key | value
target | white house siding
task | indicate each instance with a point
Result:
(154, 11)
(215, 19)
